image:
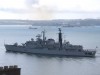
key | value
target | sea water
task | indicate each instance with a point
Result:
(31, 64)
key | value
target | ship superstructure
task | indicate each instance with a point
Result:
(50, 47)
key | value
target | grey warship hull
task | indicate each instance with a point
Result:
(50, 47)
(45, 51)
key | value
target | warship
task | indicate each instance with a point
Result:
(45, 46)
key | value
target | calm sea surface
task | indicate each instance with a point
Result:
(32, 64)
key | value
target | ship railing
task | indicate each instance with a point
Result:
(90, 50)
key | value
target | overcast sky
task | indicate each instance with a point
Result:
(49, 9)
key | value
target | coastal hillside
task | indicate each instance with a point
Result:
(57, 22)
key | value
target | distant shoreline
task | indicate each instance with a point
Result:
(62, 23)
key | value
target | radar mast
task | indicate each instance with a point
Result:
(60, 38)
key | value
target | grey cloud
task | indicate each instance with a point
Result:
(76, 11)
(31, 2)
(28, 3)
(24, 11)
(12, 10)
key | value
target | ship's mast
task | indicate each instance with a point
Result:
(60, 38)
(44, 38)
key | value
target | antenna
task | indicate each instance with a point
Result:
(64, 38)
(4, 42)
(96, 47)
(59, 30)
